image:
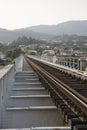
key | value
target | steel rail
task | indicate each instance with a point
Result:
(75, 97)
(67, 71)
(73, 72)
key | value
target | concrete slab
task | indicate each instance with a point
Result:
(25, 75)
(28, 86)
(31, 96)
(31, 108)
(25, 83)
(32, 118)
(27, 80)
(20, 102)
(52, 128)
(29, 92)
(43, 128)
(25, 72)
(26, 89)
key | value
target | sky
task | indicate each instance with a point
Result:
(24, 13)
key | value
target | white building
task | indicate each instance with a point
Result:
(49, 55)
(1, 55)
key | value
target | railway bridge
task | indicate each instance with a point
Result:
(38, 95)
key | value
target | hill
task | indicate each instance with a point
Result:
(46, 31)
(9, 36)
(70, 27)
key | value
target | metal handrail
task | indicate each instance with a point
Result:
(65, 68)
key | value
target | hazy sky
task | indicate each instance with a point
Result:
(22, 13)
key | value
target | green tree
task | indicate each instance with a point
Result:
(13, 53)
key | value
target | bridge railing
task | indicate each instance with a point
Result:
(6, 80)
(73, 71)
(71, 62)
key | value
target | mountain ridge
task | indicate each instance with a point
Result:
(69, 27)
(78, 27)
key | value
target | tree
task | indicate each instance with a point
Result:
(13, 53)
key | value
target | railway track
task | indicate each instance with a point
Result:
(67, 88)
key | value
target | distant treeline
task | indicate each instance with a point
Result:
(20, 41)
(12, 50)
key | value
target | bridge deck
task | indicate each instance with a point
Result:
(29, 105)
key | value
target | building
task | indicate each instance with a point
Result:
(1, 55)
(49, 55)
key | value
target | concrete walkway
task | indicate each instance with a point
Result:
(29, 105)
